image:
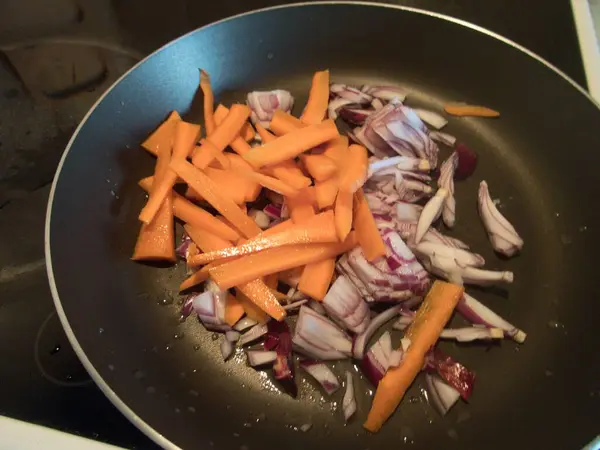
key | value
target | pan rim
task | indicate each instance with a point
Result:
(127, 411)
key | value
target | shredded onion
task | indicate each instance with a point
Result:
(377, 322)
(431, 118)
(322, 374)
(257, 331)
(226, 349)
(244, 323)
(318, 337)
(345, 305)
(441, 395)
(349, 400)
(469, 334)
(260, 357)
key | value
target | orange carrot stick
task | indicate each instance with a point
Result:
(284, 123)
(195, 216)
(210, 151)
(233, 310)
(318, 99)
(222, 136)
(252, 188)
(207, 242)
(163, 135)
(302, 205)
(195, 279)
(343, 214)
(156, 239)
(275, 260)
(247, 133)
(319, 229)
(354, 174)
(316, 278)
(186, 135)
(366, 229)
(319, 167)
(326, 192)
(291, 277)
(337, 150)
(432, 316)
(271, 281)
(209, 190)
(271, 183)
(260, 294)
(252, 311)
(209, 100)
(292, 144)
(231, 184)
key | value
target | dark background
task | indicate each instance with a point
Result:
(56, 58)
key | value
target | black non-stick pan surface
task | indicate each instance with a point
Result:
(541, 159)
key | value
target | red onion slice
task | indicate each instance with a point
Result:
(187, 307)
(401, 162)
(232, 336)
(258, 358)
(354, 116)
(335, 105)
(386, 93)
(405, 319)
(260, 218)
(318, 337)
(264, 104)
(441, 395)
(283, 366)
(317, 307)
(352, 94)
(477, 313)
(454, 373)
(226, 349)
(408, 212)
(273, 211)
(502, 235)
(444, 138)
(467, 162)
(244, 323)
(358, 349)
(345, 305)
(322, 374)
(295, 305)
(349, 400)
(469, 334)
(253, 334)
(446, 181)
(431, 118)
(461, 257)
(377, 104)
(431, 212)
(182, 249)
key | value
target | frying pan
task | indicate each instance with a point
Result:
(540, 158)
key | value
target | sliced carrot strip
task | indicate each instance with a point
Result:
(319, 229)
(316, 278)
(209, 151)
(222, 136)
(354, 174)
(302, 205)
(284, 123)
(195, 279)
(343, 214)
(234, 310)
(209, 190)
(292, 144)
(470, 110)
(432, 316)
(207, 242)
(163, 135)
(253, 189)
(319, 167)
(186, 135)
(209, 100)
(271, 281)
(271, 183)
(264, 134)
(318, 99)
(195, 216)
(156, 239)
(247, 133)
(337, 150)
(326, 192)
(260, 294)
(252, 311)
(231, 184)
(366, 229)
(275, 260)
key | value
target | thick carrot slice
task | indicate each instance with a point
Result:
(196, 216)
(337, 150)
(271, 183)
(163, 135)
(207, 242)
(210, 151)
(316, 278)
(367, 233)
(271, 281)
(234, 310)
(302, 205)
(264, 134)
(247, 133)
(319, 167)
(156, 239)
(195, 279)
(326, 192)
(186, 135)
(253, 189)
(209, 100)
(318, 99)
(354, 174)
(284, 123)
(432, 316)
(260, 294)
(231, 184)
(292, 144)
(343, 214)
(209, 190)
(222, 136)
(252, 311)
(275, 260)
(320, 229)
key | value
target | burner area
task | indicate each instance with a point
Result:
(56, 59)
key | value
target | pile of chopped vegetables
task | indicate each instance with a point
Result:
(286, 217)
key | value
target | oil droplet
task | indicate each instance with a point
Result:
(165, 301)
(196, 347)
(452, 433)
(555, 324)
(191, 409)
(548, 373)
(194, 393)
(111, 367)
(69, 377)
(177, 410)
(244, 447)
(55, 350)
(179, 335)
(582, 229)
(138, 374)
(269, 55)
(215, 336)
(236, 435)
(247, 425)
(100, 330)
(167, 347)
(261, 417)
(413, 400)
(150, 389)
(306, 427)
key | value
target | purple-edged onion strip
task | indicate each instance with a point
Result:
(295, 305)
(386, 93)
(211, 310)
(349, 400)
(232, 336)
(260, 357)
(352, 94)
(257, 331)
(377, 322)
(354, 116)
(377, 104)
(469, 334)
(226, 349)
(187, 307)
(273, 211)
(335, 105)
(446, 181)
(431, 118)
(477, 313)
(322, 374)
(317, 307)
(461, 257)
(244, 323)
(344, 304)
(405, 319)
(182, 249)
(444, 138)
(318, 337)
(400, 162)
(408, 212)
(441, 395)
(473, 275)
(431, 212)
(503, 236)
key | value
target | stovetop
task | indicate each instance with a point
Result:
(56, 58)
